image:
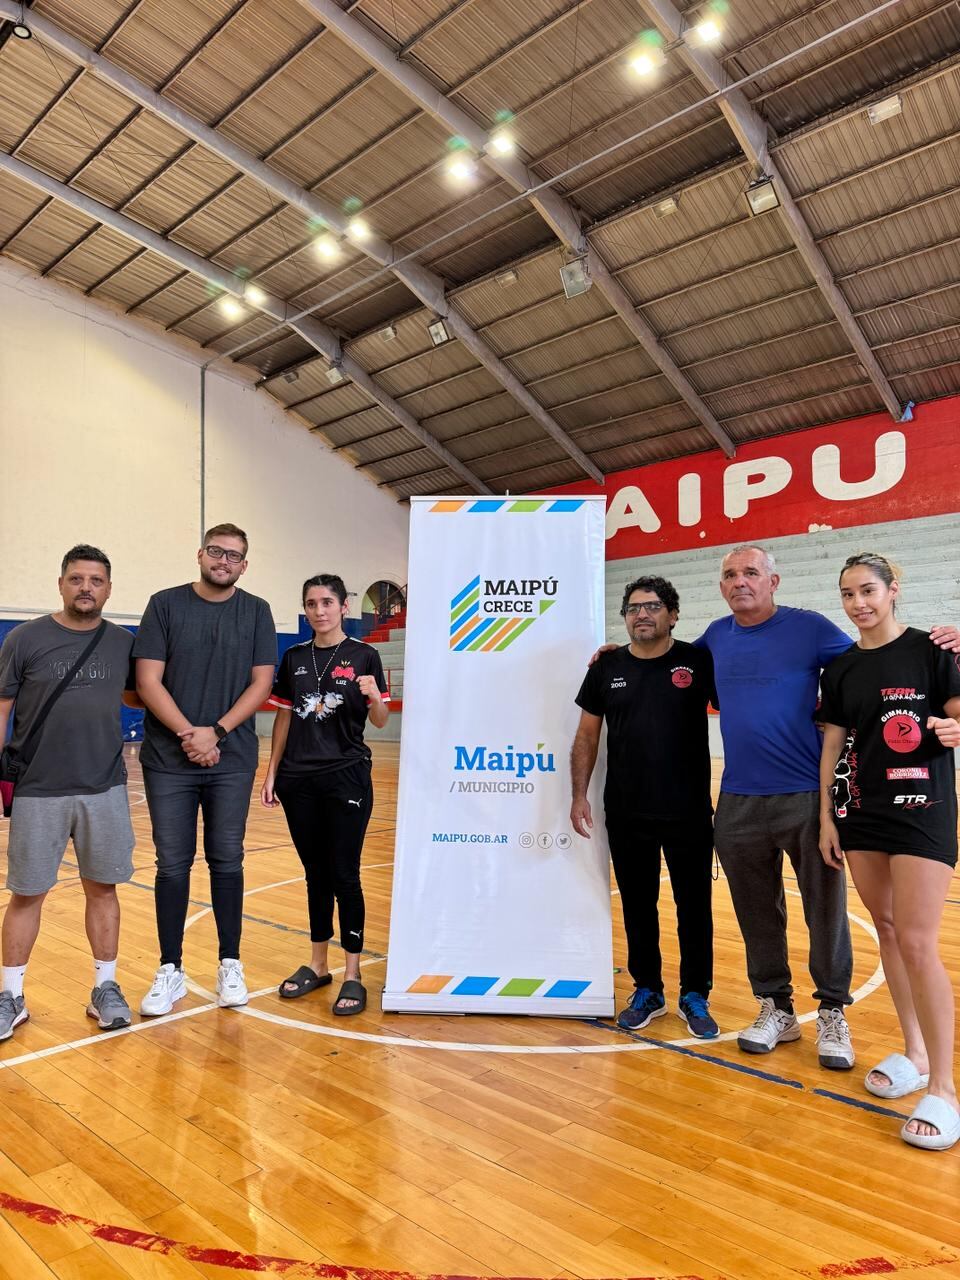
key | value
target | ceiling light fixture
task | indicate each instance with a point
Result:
(461, 165)
(439, 333)
(885, 109)
(358, 229)
(22, 31)
(502, 143)
(761, 195)
(254, 294)
(707, 31)
(291, 376)
(506, 279)
(389, 333)
(231, 308)
(327, 248)
(334, 376)
(575, 278)
(663, 208)
(647, 59)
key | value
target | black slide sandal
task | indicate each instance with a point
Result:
(304, 980)
(351, 991)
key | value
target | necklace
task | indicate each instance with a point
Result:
(313, 655)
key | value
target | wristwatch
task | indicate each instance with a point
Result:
(220, 731)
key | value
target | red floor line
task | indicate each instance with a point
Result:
(230, 1258)
(266, 1264)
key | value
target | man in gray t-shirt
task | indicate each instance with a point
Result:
(206, 653)
(72, 784)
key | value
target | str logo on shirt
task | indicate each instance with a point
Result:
(682, 677)
(618, 683)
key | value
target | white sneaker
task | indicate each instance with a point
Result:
(169, 985)
(231, 988)
(772, 1027)
(834, 1046)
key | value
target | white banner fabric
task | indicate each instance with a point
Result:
(498, 907)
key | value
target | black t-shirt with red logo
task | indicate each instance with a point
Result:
(895, 788)
(329, 711)
(658, 751)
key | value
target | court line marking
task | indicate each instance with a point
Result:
(233, 1259)
(340, 1033)
(459, 1046)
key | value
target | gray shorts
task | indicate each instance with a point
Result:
(42, 826)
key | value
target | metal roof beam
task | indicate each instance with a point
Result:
(562, 216)
(753, 135)
(425, 284)
(318, 335)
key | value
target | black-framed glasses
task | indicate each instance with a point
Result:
(221, 553)
(652, 607)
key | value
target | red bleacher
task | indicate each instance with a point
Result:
(381, 633)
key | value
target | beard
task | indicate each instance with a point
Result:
(217, 579)
(82, 610)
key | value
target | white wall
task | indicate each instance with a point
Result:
(100, 442)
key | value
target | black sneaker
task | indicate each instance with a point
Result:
(694, 1009)
(644, 1006)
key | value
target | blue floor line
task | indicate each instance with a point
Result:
(861, 1103)
(684, 1051)
(768, 1076)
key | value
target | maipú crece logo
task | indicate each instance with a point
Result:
(488, 614)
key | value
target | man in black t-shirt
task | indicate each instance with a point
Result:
(205, 654)
(653, 694)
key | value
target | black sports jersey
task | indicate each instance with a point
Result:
(895, 787)
(658, 753)
(329, 712)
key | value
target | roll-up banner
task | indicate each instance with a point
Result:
(498, 907)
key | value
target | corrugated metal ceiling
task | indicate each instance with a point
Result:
(727, 294)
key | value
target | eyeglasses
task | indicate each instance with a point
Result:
(221, 553)
(646, 606)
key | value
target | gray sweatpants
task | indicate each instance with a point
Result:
(751, 834)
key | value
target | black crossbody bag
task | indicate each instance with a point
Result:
(14, 764)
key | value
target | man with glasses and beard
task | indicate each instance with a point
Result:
(653, 694)
(205, 654)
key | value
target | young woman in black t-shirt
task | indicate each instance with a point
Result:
(890, 707)
(319, 771)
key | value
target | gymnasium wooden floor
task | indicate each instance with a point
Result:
(281, 1140)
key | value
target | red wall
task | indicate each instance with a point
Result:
(861, 471)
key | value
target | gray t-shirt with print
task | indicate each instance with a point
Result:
(80, 748)
(209, 649)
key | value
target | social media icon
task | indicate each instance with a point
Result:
(526, 840)
(563, 840)
(545, 840)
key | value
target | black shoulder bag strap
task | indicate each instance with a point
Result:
(22, 759)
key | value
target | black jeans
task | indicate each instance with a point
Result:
(174, 801)
(327, 814)
(687, 844)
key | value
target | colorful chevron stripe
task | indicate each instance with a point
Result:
(471, 633)
(434, 984)
(509, 506)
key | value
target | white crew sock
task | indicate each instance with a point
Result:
(104, 971)
(13, 978)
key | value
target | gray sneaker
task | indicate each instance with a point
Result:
(13, 1011)
(108, 1006)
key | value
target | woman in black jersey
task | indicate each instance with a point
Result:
(888, 801)
(319, 771)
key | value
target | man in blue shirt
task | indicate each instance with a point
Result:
(767, 660)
